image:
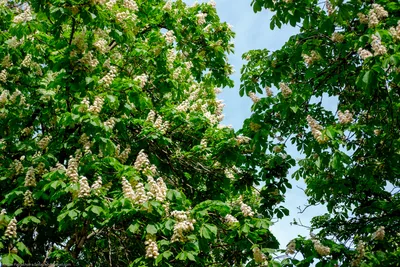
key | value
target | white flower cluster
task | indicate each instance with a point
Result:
(3, 76)
(160, 125)
(27, 61)
(97, 104)
(377, 46)
(246, 209)
(89, 60)
(14, 42)
(379, 234)
(142, 161)
(212, 3)
(346, 117)
(268, 91)
(291, 247)
(17, 93)
(158, 190)
(329, 7)
(217, 90)
(3, 212)
(219, 108)
(395, 32)
(321, 249)
(130, 4)
(109, 77)
(7, 62)
(316, 130)
(229, 173)
(364, 53)
(240, 139)
(259, 257)
(121, 17)
(110, 123)
(253, 97)
(4, 97)
(18, 167)
(11, 231)
(142, 79)
(97, 186)
(337, 37)
(151, 247)
(122, 157)
(168, 6)
(24, 16)
(58, 167)
(41, 168)
(286, 92)
(44, 142)
(138, 196)
(171, 56)
(110, 4)
(151, 116)
(229, 219)
(30, 177)
(170, 37)
(84, 188)
(184, 106)
(375, 14)
(101, 45)
(177, 73)
(201, 18)
(361, 253)
(183, 225)
(72, 170)
(28, 199)
(188, 65)
(310, 59)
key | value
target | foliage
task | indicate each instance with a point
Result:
(338, 103)
(111, 147)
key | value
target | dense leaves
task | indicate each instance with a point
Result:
(337, 100)
(112, 151)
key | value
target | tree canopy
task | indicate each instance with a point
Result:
(112, 151)
(337, 100)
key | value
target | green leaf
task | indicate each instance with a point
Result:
(7, 259)
(151, 229)
(205, 232)
(133, 228)
(17, 258)
(190, 256)
(21, 247)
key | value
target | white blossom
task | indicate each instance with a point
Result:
(25, 16)
(229, 219)
(3, 76)
(142, 161)
(170, 37)
(30, 177)
(286, 92)
(201, 18)
(321, 249)
(364, 53)
(151, 248)
(183, 225)
(259, 257)
(84, 188)
(377, 46)
(345, 117)
(11, 231)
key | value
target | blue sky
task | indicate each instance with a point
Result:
(253, 32)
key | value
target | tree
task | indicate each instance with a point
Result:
(338, 103)
(112, 151)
